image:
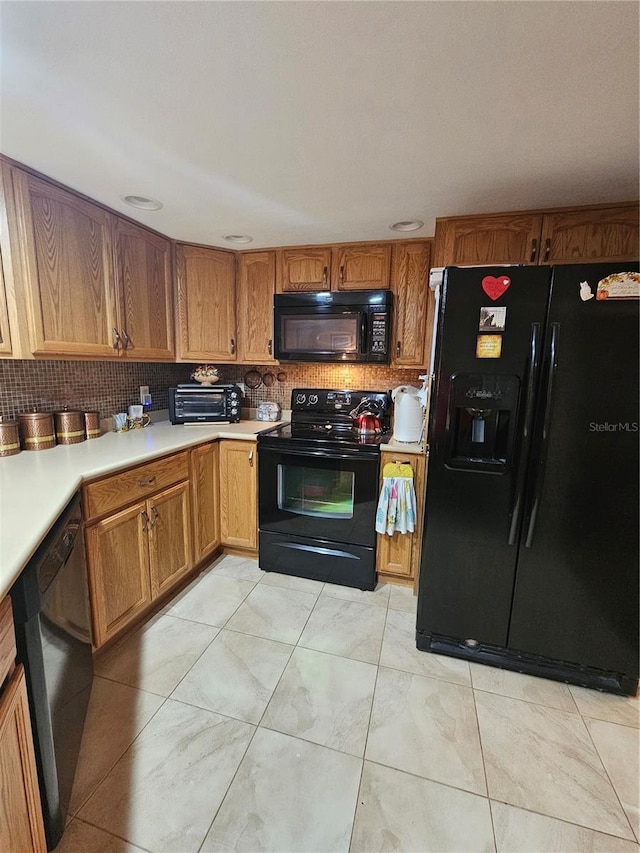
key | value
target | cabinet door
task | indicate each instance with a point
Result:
(255, 288)
(304, 269)
(206, 304)
(66, 261)
(238, 513)
(413, 304)
(362, 267)
(399, 555)
(143, 268)
(5, 339)
(21, 826)
(472, 240)
(589, 236)
(118, 563)
(169, 537)
(205, 499)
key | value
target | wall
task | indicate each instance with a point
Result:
(111, 386)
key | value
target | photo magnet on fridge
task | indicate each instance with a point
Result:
(620, 285)
(489, 346)
(492, 319)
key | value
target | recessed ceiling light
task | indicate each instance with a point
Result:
(238, 238)
(142, 202)
(407, 225)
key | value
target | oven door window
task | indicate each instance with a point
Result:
(316, 492)
(209, 404)
(321, 333)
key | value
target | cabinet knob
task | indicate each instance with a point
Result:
(251, 459)
(547, 249)
(270, 346)
(534, 250)
(149, 482)
(325, 276)
(154, 517)
(398, 348)
(116, 339)
(125, 338)
(341, 275)
(145, 521)
(233, 346)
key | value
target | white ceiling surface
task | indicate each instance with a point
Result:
(318, 122)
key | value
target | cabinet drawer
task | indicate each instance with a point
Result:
(7, 638)
(119, 490)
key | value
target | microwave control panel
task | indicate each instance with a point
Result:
(379, 333)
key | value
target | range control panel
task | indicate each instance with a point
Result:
(322, 400)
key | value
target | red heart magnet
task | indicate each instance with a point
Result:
(495, 287)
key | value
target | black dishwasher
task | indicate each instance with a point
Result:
(53, 636)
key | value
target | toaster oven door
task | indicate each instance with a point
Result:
(199, 407)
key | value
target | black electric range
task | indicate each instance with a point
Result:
(318, 488)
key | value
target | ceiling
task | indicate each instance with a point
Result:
(311, 122)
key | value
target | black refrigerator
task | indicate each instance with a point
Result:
(530, 548)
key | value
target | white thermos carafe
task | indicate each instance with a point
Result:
(409, 410)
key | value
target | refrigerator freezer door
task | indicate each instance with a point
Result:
(476, 447)
(576, 593)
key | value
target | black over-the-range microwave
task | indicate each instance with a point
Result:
(201, 404)
(340, 327)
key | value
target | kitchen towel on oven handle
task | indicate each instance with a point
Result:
(396, 511)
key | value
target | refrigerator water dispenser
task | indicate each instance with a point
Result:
(481, 421)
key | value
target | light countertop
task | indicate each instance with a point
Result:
(35, 486)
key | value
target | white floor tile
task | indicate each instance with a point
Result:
(427, 727)
(540, 691)
(240, 568)
(212, 601)
(379, 597)
(166, 789)
(288, 795)
(273, 613)
(400, 812)
(80, 837)
(624, 710)
(619, 749)
(324, 699)
(345, 628)
(543, 759)
(292, 582)
(402, 598)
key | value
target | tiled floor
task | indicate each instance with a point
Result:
(262, 712)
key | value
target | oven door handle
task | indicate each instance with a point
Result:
(316, 549)
(320, 454)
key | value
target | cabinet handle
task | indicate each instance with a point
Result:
(270, 346)
(154, 518)
(125, 338)
(325, 276)
(341, 276)
(398, 348)
(149, 482)
(251, 459)
(547, 249)
(233, 346)
(534, 250)
(116, 339)
(145, 521)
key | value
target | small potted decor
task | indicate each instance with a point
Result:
(205, 374)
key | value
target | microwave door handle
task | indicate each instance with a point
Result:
(364, 337)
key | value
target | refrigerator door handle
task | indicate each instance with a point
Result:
(539, 481)
(532, 370)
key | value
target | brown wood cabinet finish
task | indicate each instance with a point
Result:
(5, 335)
(114, 492)
(304, 269)
(205, 491)
(399, 555)
(143, 269)
(365, 267)
(67, 272)
(413, 304)
(169, 537)
(206, 304)
(7, 639)
(475, 240)
(238, 493)
(585, 236)
(21, 826)
(256, 285)
(118, 564)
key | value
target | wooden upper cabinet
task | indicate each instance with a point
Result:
(585, 236)
(365, 267)
(206, 304)
(66, 261)
(304, 269)
(143, 270)
(255, 288)
(413, 304)
(476, 240)
(5, 337)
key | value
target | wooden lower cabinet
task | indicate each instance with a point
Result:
(398, 556)
(205, 494)
(238, 494)
(135, 555)
(21, 826)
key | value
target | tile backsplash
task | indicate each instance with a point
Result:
(111, 386)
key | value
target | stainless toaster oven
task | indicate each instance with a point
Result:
(195, 404)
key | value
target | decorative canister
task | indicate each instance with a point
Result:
(69, 427)
(9, 437)
(36, 430)
(92, 424)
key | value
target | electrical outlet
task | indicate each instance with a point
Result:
(144, 394)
